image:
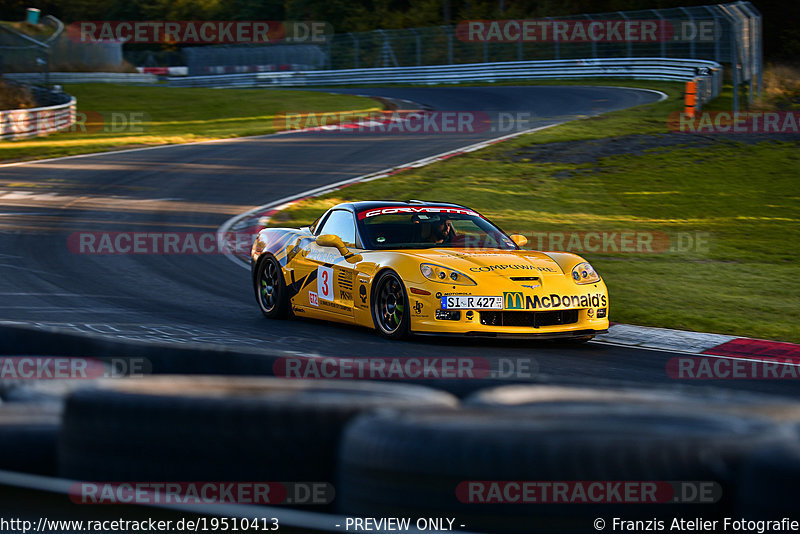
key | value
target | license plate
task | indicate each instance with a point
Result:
(472, 303)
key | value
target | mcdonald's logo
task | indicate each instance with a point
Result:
(512, 300)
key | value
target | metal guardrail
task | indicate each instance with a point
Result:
(634, 68)
(729, 34)
(34, 122)
(85, 77)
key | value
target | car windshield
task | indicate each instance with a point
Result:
(429, 227)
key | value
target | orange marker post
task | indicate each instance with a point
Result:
(690, 98)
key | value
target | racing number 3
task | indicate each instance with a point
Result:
(325, 282)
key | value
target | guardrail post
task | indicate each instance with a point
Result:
(594, 43)
(717, 32)
(756, 46)
(419, 46)
(746, 57)
(387, 54)
(734, 56)
(354, 37)
(555, 39)
(449, 31)
(629, 42)
(694, 28)
(661, 27)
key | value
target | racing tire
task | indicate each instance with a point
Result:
(391, 312)
(417, 464)
(28, 437)
(216, 428)
(736, 403)
(766, 486)
(270, 288)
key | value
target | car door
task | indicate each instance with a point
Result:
(333, 291)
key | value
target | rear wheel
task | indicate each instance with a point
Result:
(390, 310)
(270, 289)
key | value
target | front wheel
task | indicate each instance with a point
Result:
(270, 289)
(390, 310)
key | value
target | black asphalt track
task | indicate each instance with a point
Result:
(205, 298)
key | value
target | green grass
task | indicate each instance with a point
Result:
(38, 31)
(174, 115)
(742, 199)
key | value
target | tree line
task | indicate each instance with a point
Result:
(781, 33)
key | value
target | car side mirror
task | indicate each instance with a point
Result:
(330, 240)
(520, 240)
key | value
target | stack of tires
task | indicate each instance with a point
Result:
(458, 463)
(221, 429)
(396, 450)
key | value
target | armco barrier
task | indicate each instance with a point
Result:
(34, 122)
(634, 68)
(85, 77)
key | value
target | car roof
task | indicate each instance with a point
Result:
(371, 204)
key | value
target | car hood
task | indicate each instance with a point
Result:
(490, 263)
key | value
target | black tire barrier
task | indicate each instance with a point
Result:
(767, 486)
(184, 428)
(28, 435)
(411, 464)
(39, 391)
(170, 358)
(161, 358)
(707, 400)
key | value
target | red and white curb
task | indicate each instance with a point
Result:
(704, 345)
(663, 338)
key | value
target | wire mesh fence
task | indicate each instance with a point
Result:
(725, 33)
(730, 34)
(55, 52)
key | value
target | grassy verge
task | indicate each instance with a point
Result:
(38, 31)
(114, 117)
(725, 209)
(14, 97)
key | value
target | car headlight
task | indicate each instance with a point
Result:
(437, 273)
(583, 273)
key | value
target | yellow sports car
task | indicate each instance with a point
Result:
(425, 268)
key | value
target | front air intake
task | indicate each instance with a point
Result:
(528, 318)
